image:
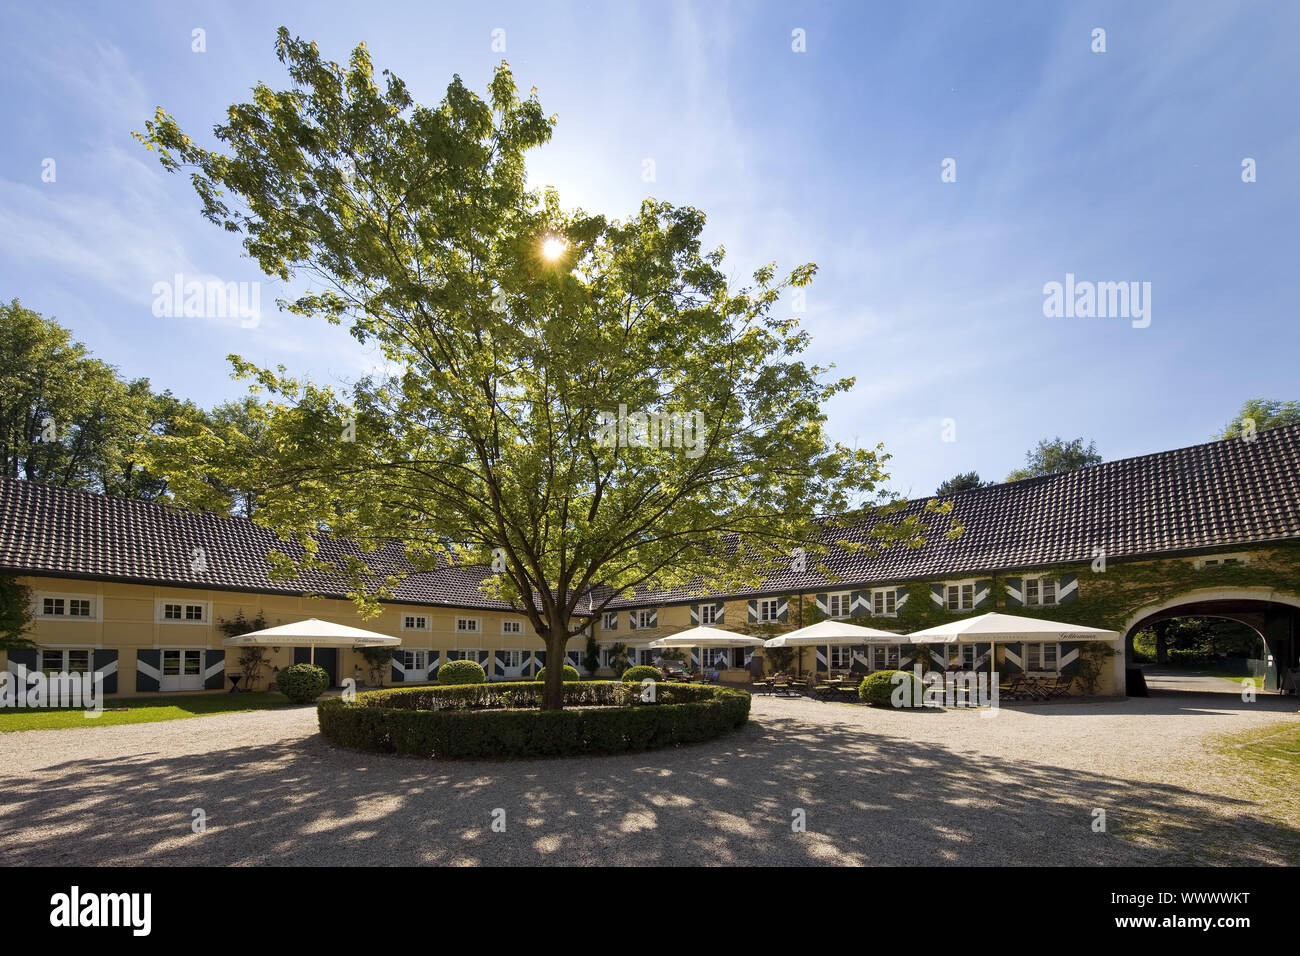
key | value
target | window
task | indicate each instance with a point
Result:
(708, 614)
(884, 657)
(767, 610)
(1040, 591)
(461, 654)
(643, 620)
(414, 660)
(512, 627)
(64, 660)
(646, 656)
(962, 655)
(186, 612)
(1041, 657)
(1223, 560)
(841, 658)
(884, 602)
(837, 605)
(513, 659)
(467, 625)
(610, 621)
(715, 657)
(66, 605)
(415, 622)
(961, 597)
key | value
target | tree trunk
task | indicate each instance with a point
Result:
(556, 643)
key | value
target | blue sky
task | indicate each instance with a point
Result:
(1115, 166)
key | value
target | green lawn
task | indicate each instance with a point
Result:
(1275, 750)
(140, 711)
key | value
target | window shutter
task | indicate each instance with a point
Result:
(654, 618)
(900, 598)
(483, 661)
(823, 604)
(147, 673)
(1067, 589)
(753, 612)
(214, 670)
(22, 656)
(695, 614)
(983, 593)
(859, 603)
(938, 594)
(1068, 661)
(1013, 658)
(499, 664)
(782, 610)
(399, 667)
(105, 662)
(1015, 592)
(822, 651)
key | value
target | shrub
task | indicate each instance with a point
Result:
(470, 722)
(877, 689)
(570, 673)
(302, 683)
(635, 675)
(461, 672)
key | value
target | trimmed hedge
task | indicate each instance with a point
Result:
(302, 683)
(461, 672)
(570, 673)
(635, 675)
(471, 721)
(877, 689)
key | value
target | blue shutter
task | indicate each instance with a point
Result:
(937, 595)
(1013, 658)
(214, 670)
(753, 612)
(695, 658)
(499, 664)
(983, 594)
(721, 612)
(858, 665)
(823, 603)
(900, 598)
(398, 675)
(782, 610)
(575, 660)
(1067, 589)
(822, 651)
(148, 675)
(483, 661)
(1015, 592)
(1068, 661)
(695, 614)
(435, 662)
(539, 658)
(105, 662)
(859, 603)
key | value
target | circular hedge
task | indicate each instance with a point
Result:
(302, 683)
(635, 675)
(461, 672)
(570, 673)
(877, 689)
(473, 721)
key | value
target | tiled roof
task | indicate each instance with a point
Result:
(1211, 496)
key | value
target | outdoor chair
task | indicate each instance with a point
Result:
(1061, 688)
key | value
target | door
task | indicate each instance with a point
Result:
(181, 670)
(325, 657)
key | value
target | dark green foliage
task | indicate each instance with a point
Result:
(570, 673)
(15, 613)
(877, 689)
(470, 722)
(964, 482)
(461, 672)
(1054, 456)
(635, 675)
(302, 683)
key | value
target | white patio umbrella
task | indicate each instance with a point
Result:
(996, 628)
(838, 633)
(313, 633)
(704, 637)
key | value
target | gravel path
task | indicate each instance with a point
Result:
(874, 786)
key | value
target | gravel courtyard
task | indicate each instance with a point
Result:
(875, 787)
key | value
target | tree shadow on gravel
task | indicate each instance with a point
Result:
(863, 799)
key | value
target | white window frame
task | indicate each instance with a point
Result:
(708, 614)
(40, 597)
(63, 650)
(890, 602)
(838, 605)
(1056, 669)
(1220, 560)
(609, 621)
(640, 620)
(476, 629)
(519, 659)
(185, 603)
(893, 655)
(425, 653)
(766, 604)
(415, 615)
(518, 626)
(961, 587)
(466, 654)
(1040, 580)
(837, 650)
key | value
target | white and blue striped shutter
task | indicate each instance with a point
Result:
(483, 661)
(983, 593)
(823, 603)
(753, 612)
(1067, 589)
(900, 598)
(720, 611)
(1015, 591)
(148, 672)
(214, 670)
(1013, 658)
(822, 651)
(859, 603)
(399, 667)
(695, 614)
(105, 662)
(575, 660)
(937, 594)
(782, 610)
(499, 663)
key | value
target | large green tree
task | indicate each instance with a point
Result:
(1055, 455)
(534, 354)
(1258, 414)
(967, 481)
